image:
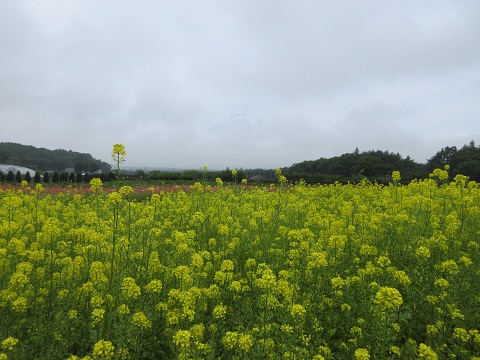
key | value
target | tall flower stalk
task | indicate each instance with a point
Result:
(118, 155)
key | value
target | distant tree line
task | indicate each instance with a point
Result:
(192, 175)
(77, 177)
(54, 177)
(42, 159)
(378, 166)
(373, 165)
(349, 167)
(465, 161)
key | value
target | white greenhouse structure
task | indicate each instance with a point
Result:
(5, 168)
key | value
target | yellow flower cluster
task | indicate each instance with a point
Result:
(219, 311)
(245, 342)
(96, 184)
(396, 176)
(97, 316)
(140, 319)
(9, 343)
(154, 286)
(126, 190)
(182, 338)
(118, 150)
(426, 352)
(103, 350)
(123, 309)
(388, 298)
(20, 304)
(297, 311)
(130, 289)
(230, 339)
(362, 354)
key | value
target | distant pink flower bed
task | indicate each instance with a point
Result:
(85, 189)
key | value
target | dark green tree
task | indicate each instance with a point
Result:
(154, 175)
(87, 177)
(94, 166)
(141, 174)
(79, 166)
(10, 176)
(55, 177)
(442, 158)
(4, 156)
(46, 177)
(88, 166)
(63, 176)
(18, 177)
(467, 162)
(71, 177)
(37, 177)
(28, 177)
(464, 161)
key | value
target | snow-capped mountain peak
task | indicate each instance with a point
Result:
(237, 118)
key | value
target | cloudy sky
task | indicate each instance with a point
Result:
(239, 83)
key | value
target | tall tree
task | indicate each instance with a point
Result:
(442, 158)
(10, 176)
(87, 177)
(63, 176)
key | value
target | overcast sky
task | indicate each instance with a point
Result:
(248, 83)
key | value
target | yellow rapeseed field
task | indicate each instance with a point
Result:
(291, 271)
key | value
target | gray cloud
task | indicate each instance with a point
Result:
(324, 77)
